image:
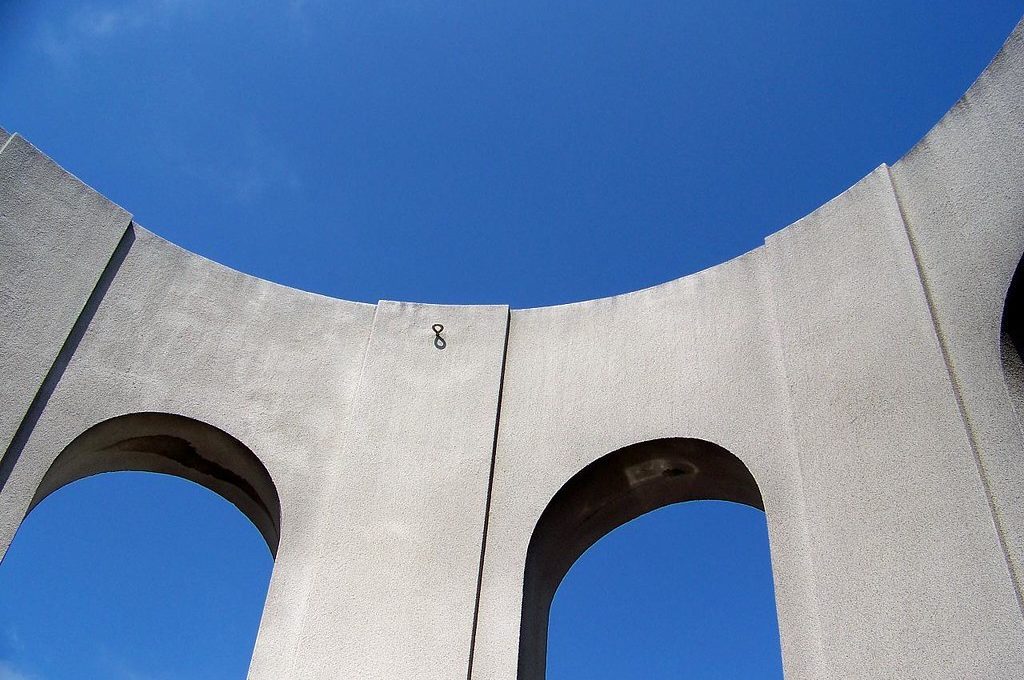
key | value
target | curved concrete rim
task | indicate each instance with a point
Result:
(923, 142)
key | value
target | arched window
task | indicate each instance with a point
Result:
(608, 493)
(88, 568)
(173, 445)
(1013, 341)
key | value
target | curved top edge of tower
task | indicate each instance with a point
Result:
(1011, 49)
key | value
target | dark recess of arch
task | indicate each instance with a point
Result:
(172, 445)
(609, 492)
(1013, 340)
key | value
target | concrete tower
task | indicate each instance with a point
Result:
(858, 376)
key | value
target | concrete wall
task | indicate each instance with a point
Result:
(961, 193)
(852, 366)
(56, 238)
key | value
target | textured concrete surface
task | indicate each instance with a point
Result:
(403, 526)
(56, 238)
(961, 192)
(859, 377)
(874, 414)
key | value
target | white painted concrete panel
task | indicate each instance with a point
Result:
(962, 191)
(56, 237)
(272, 366)
(908, 566)
(399, 555)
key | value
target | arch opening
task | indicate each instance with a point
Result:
(608, 493)
(1012, 337)
(133, 574)
(173, 445)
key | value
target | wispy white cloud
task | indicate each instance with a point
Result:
(12, 640)
(299, 17)
(64, 38)
(87, 26)
(245, 169)
(9, 672)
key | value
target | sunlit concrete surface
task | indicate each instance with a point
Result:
(858, 376)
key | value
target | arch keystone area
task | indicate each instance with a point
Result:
(854, 362)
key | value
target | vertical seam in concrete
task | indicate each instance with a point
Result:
(487, 504)
(67, 350)
(957, 394)
(328, 494)
(787, 408)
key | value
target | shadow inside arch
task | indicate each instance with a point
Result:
(173, 445)
(606, 494)
(1012, 337)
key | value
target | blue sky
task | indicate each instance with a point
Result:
(528, 153)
